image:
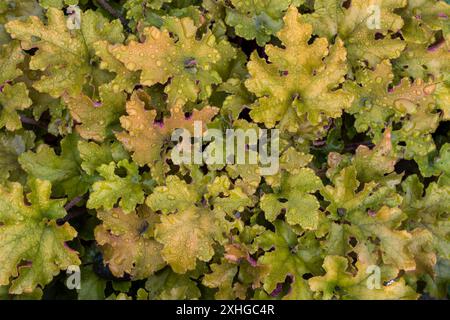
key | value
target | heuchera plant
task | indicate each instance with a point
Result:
(91, 92)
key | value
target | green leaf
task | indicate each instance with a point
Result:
(187, 236)
(94, 155)
(168, 285)
(299, 88)
(301, 207)
(221, 277)
(63, 170)
(256, 19)
(419, 61)
(285, 260)
(65, 55)
(340, 283)
(56, 3)
(125, 80)
(13, 98)
(97, 119)
(430, 209)
(93, 287)
(374, 164)
(107, 192)
(357, 26)
(176, 195)
(12, 145)
(347, 196)
(10, 56)
(16, 9)
(33, 248)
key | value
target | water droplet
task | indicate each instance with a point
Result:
(155, 33)
(405, 106)
(131, 66)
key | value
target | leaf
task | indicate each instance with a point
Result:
(338, 282)
(236, 201)
(14, 9)
(125, 80)
(256, 19)
(294, 86)
(187, 236)
(419, 60)
(222, 198)
(188, 63)
(12, 145)
(376, 163)
(176, 195)
(35, 295)
(10, 56)
(422, 19)
(301, 207)
(430, 209)
(63, 54)
(344, 198)
(145, 138)
(127, 242)
(57, 3)
(93, 287)
(221, 277)
(364, 37)
(394, 244)
(293, 161)
(94, 155)
(169, 285)
(97, 119)
(442, 162)
(13, 98)
(285, 260)
(107, 192)
(33, 248)
(372, 108)
(63, 171)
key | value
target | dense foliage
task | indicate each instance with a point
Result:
(91, 91)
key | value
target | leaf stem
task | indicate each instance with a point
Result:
(73, 202)
(106, 6)
(353, 146)
(32, 122)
